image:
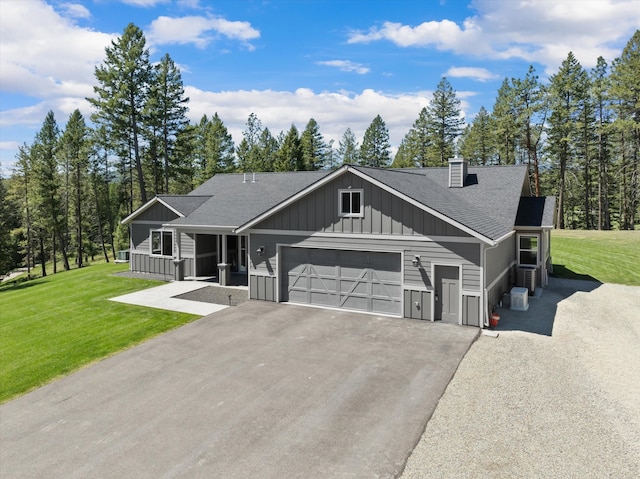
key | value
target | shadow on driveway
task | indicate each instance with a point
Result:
(540, 316)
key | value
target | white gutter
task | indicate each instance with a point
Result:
(485, 298)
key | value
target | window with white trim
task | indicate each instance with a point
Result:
(161, 243)
(528, 250)
(351, 203)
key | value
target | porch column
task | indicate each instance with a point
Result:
(224, 269)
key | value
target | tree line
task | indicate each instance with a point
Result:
(579, 134)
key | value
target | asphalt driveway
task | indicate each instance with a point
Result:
(259, 390)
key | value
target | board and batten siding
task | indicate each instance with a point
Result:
(414, 278)
(466, 254)
(384, 213)
(157, 212)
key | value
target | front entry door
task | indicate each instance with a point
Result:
(448, 294)
(237, 253)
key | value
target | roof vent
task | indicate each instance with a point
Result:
(457, 172)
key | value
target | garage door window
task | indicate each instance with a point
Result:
(351, 203)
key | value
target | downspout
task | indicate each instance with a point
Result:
(485, 291)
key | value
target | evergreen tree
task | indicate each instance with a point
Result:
(625, 88)
(74, 147)
(348, 150)
(122, 95)
(313, 147)
(403, 158)
(530, 110)
(375, 144)
(9, 223)
(47, 186)
(567, 93)
(478, 143)
(166, 111)
(267, 149)
(445, 123)
(417, 141)
(599, 97)
(504, 124)
(248, 151)
(217, 149)
(289, 155)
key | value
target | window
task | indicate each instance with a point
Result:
(162, 243)
(351, 203)
(528, 250)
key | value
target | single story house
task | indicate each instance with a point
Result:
(434, 243)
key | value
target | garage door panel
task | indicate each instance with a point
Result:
(355, 280)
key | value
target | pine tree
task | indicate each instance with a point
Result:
(599, 97)
(445, 123)
(504, 124)
(530, 110)
(417, 141)
(289, 156)
(47, 186)
(403, 158)
(248, 151)
(568, 90)
(375, 145)
(122, 95)
(477, 143)
(74, 148)
(166, 112)
(625, 88)
(313, 147)
(348, 150)
(216, 150)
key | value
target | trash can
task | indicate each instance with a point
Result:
(224, 274)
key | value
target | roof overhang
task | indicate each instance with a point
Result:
(148, 205)
(347, 168)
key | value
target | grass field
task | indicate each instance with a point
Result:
(605, 256)
(51, 326)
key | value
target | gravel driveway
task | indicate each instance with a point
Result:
(528, 404)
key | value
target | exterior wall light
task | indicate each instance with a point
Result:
(416, 261)
(260, 251)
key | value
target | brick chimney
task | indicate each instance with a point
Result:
(457, 172)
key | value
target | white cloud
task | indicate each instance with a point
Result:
(44, 55)
(144, 3)
(346, 66)
(334, 111)
(200, 31)
(75, 10)
(534, 30)
(478, 74)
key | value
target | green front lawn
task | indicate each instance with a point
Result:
(51, 326)
(605, 256)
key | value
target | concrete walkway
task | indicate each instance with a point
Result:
(163, 297)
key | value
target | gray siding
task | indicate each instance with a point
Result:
(140, 236)
(157, 212)
(384, 213)
(262, 287)
(471, 310)
(417, 304)
(500, 258)
(187, 245)
(467, 254)
(143, 263)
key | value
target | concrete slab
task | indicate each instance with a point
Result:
(162, 297)
(258, 390)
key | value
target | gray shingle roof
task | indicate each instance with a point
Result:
(185, 204)
(536, 211)
(235, 198)
(487, 204)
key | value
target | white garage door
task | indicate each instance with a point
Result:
(356, 280)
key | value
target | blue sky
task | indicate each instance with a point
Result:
(340, 62)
